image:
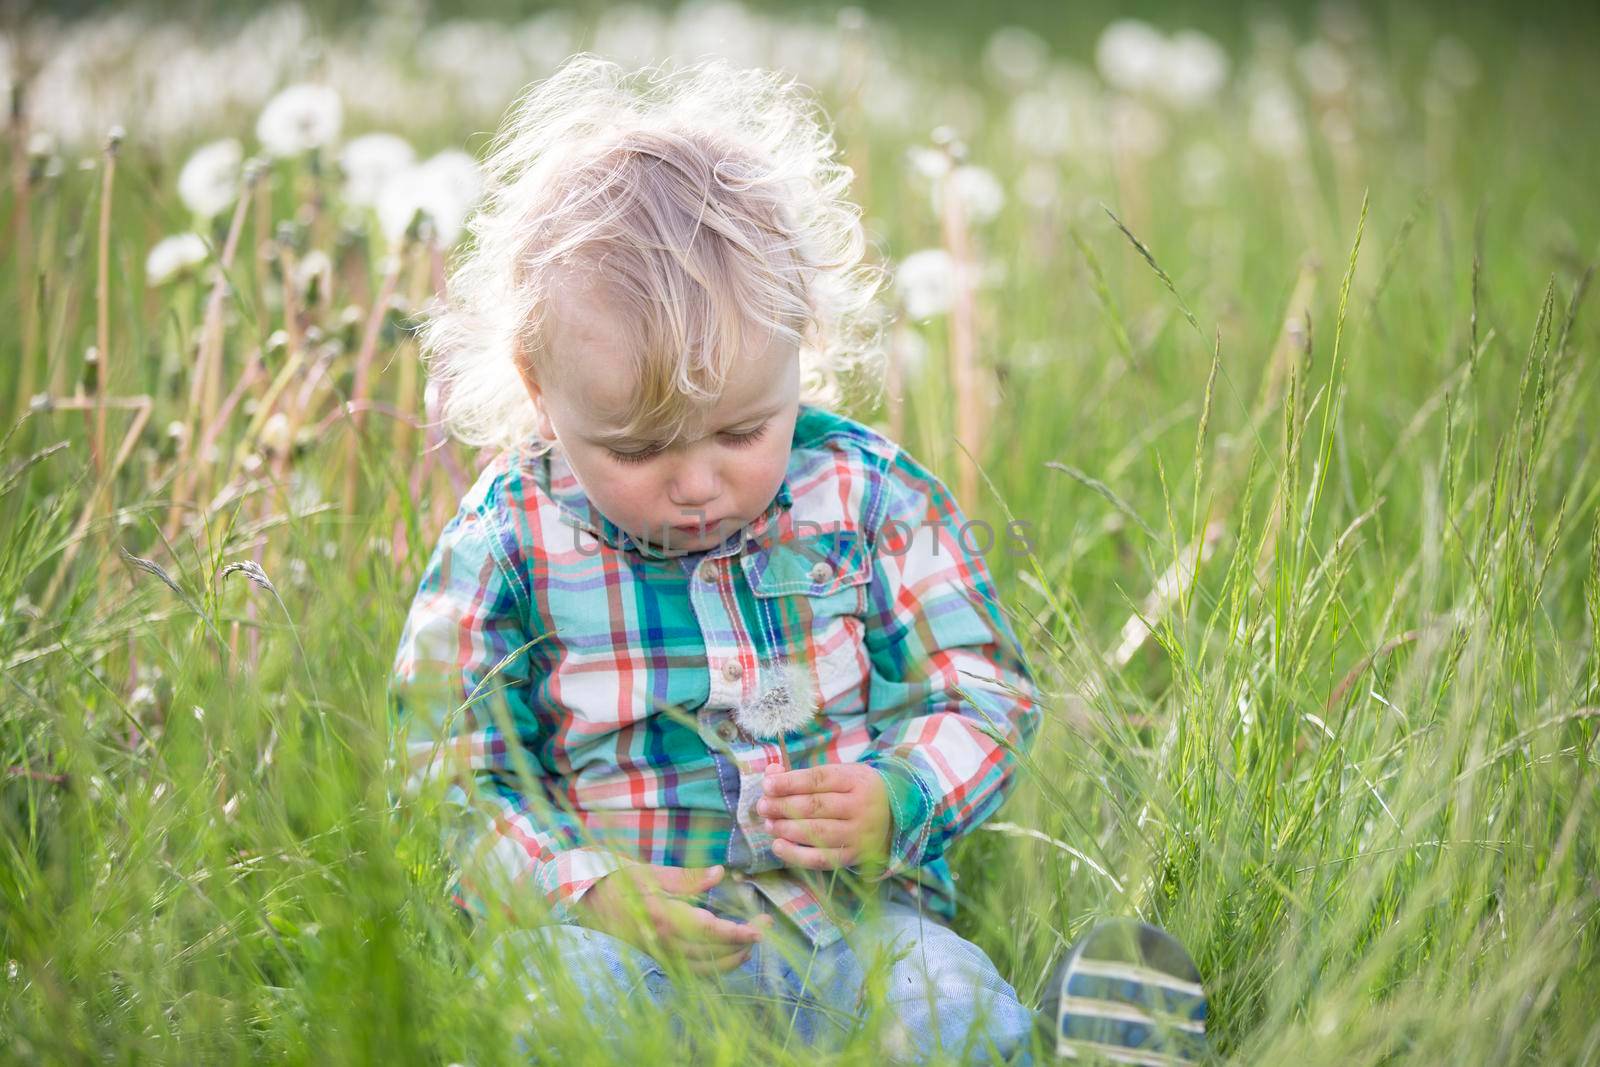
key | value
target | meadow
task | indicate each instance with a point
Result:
(1280, 337)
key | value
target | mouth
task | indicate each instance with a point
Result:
(697, 527)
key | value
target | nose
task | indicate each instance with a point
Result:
(694, 484)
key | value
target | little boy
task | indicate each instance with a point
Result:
(678, 535)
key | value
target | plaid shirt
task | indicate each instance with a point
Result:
(609, 739)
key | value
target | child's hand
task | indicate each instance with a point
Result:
(828, 816)
(638, 904)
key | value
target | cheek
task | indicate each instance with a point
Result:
(761, 472)
(618, 491)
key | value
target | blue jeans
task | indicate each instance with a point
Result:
(943, 996)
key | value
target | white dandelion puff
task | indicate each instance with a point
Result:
(1193, 69)
(1275, 124)
(929, 163)
(1015, 56)
(1184, 70)
(314, 267)
(171, 256)
(977, 190)
(1129, 54)
(1045, 123)
(1323, 68)
(444, 188)
(787, 702)
(298, 119)
(209, 180)
(369, 162)
(925, 282)
(41, 143)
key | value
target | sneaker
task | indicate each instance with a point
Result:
(1127, 993)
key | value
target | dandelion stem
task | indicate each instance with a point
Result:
(102, 294)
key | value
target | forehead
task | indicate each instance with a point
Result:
(597, 373)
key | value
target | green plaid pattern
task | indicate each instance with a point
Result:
(607, 738)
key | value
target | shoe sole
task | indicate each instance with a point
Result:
(1129, 993)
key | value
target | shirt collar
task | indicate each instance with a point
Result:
(555, 476)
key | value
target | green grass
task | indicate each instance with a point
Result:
(1353, 766)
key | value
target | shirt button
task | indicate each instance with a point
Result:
(708, 571)
(821, 572)
(727, 730)
(732, 671)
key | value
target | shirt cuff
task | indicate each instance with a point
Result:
(572, 873)
(911, 804)
(563, 880)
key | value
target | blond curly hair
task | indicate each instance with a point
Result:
(707, 202)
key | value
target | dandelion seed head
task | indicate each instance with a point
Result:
(171, 256)
(1129, 54)
(1323, 67)
(209, 180)
(978, 191)
(1015, 56)
(929, 163)
(444, 188)
(787, 702)
(1193, 70)
(925, 283)
(1061, 116)
(41, 143)
(1275, 125)
(370, 162)
(314, 265)
(298, 119)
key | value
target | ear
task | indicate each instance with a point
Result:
(535, 395)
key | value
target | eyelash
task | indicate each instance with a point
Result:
(737, 440)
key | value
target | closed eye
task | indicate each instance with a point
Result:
(642, 456)
(750, 437)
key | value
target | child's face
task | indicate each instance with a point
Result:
(723, 472)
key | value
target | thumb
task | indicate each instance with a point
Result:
(691, 879)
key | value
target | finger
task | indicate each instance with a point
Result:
(704, 940)
(709, 950)
(808, 806)
(815, 832)
(687, 881)
(805, 780)
(721, 963)
(700, 924)
(816, 859)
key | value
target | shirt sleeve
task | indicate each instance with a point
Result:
(459, 696)
(949, 679)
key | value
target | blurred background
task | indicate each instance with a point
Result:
(1272, 322)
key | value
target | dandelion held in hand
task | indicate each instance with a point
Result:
(788, 703)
